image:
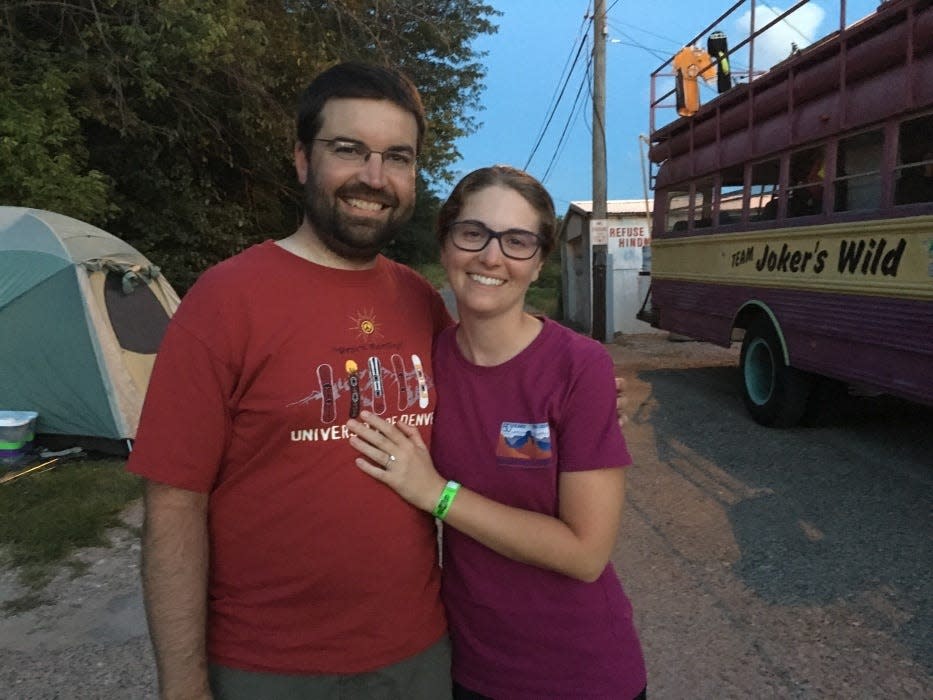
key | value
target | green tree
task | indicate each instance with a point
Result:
(170, 123)
(43, 156)
(417, 244)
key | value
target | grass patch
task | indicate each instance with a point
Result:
(542, 301)
(46, 516)
(543, 295)
(433, 273)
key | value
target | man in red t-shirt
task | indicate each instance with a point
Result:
(272, 567)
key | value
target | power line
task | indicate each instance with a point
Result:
(661, 54)
(616, 24)
(573, 112)
(559, 93)
(786, 21)
(575, 107)
(581, 36)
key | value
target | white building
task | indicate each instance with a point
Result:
(627, 267)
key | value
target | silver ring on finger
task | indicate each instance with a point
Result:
(389, 460)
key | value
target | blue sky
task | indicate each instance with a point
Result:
(530, 55)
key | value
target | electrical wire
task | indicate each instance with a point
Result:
(570, 119)
(581, 40)
(776, 12)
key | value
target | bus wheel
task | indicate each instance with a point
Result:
(775, 393)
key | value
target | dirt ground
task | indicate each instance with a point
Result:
(760, 564)
(89, 639)
(766, 563)
(646, 351)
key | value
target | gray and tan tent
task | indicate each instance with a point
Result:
(81, 317)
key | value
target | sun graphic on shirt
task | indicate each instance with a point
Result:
(364, 323)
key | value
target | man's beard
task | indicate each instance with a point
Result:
(349, 237)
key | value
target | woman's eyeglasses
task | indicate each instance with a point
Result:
(473, 236)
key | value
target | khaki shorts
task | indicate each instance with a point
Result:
(425, 676)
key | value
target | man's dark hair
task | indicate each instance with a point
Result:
(357, 81)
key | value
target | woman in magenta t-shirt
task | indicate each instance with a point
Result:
(526, 466)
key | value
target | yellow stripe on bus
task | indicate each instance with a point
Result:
(889, 258)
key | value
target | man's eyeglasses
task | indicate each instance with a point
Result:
(400, 159)
(473, 236)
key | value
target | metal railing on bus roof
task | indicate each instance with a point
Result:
(658, 102)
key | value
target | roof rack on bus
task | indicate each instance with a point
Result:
(666, 71)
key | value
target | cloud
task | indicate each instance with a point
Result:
(801, 28)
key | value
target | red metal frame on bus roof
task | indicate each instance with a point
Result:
(836, 279)
(665, 68)
(824, 89)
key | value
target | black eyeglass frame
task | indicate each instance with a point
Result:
(490, 234)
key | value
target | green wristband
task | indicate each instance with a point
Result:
(446, 500)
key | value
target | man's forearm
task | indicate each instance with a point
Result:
(174, 567)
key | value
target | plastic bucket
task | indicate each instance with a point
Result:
(17, 433)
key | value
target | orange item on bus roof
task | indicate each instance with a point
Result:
(690, 63)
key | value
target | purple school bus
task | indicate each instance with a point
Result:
(794, 208)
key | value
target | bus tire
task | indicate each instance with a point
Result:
(775, 393)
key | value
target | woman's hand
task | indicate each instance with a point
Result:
(577, 542)
(397, 456)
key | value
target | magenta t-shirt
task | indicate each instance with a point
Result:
(518, 631)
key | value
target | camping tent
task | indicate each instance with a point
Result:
(81, 317)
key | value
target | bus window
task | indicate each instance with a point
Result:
(764, 192)
(703, 203)
(858, 172)
(731, 189)
(678, 211)
(805, 191)
(914, 175)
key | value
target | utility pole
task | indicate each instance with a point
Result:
(599, 247)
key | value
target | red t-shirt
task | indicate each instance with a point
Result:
(315, 566)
